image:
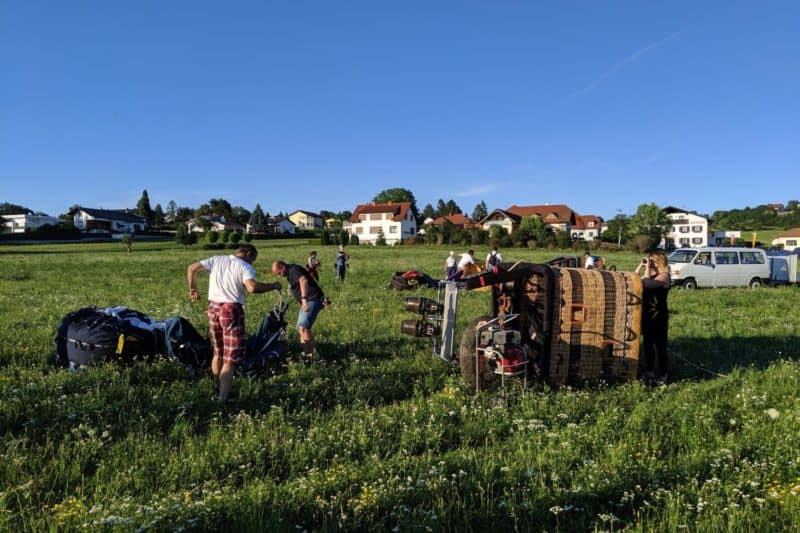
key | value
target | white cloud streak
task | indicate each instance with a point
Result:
(628, 60)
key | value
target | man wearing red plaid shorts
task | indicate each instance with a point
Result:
(229, 277)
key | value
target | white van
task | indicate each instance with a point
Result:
(719, 267)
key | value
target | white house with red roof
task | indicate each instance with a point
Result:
(587, 228)
(394, 220)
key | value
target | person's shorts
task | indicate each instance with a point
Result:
(306, 319)
(226, 325)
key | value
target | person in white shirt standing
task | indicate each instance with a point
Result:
(229, 277)
(493, 258)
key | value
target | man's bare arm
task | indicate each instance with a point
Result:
(254, 286)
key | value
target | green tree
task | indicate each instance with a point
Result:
(650, 220)
(183, 235)
(452, 208)
(617, 229)
(428, 212)
(258, 222)
(172, 211)
(325, 237)
(397, 195)
(381, 240)
(236, 237)
(143, 208)
(344, 237)
(221, 208)
(239, 215)
(441, 208)
(212, 236)
(183, 214)
(480, 212)
(158, 216)
(14, 209)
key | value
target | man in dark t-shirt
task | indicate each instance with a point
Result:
(309, 295)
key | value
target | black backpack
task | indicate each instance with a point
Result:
(89, 336)
(493, 259)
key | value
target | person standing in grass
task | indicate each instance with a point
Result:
(655, 315)
(229, 277)
(312, 265)
(310, 297)
(450, 266)
(341, 263)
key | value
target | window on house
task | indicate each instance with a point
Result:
(697, 240)
(411, 230)
(359, 230)
(392, 229)
(375, 216)
(697, 229)
(374, 230)
(591, 224)
(791, 242)
(362, 217)
(684, 241)
(684, 229)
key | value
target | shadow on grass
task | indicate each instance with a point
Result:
(694, 358)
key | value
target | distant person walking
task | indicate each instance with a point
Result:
(450, 266)
(493, 258)
(309, 295)
(313, 265)
(229, 277)
(340, 264)
(655, 315)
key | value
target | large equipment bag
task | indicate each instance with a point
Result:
(92, 335)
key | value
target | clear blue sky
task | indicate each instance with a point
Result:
(322, 104)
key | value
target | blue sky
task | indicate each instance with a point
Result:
(321, 105)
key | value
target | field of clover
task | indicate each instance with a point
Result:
(380, 434)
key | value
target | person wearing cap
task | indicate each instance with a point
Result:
(450, 266)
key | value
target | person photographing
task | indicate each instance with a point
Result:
(654, 270)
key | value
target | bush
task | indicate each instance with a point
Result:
(226, 236)
(324, 237)
(381, 240)
(183, 235)
(563, 239)
(354, 240)
(236, 237)
(212, 237)
(247, 237)
(642, 243)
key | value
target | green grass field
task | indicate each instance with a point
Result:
(381, 435)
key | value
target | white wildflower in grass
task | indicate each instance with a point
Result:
(772, 413)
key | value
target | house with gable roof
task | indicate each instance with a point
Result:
(587, 228)
(306, 220)
(394, 220)
(108, 221)
(789, 240)
(688, 230)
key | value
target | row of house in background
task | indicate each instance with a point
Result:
(396, 222)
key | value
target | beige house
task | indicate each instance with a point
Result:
(306, 220)
(789, 240)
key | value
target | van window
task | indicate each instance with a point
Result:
(703, 258)
(726, 258)
(752, 258)
(682, 256)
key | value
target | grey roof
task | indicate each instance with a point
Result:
(114, 215)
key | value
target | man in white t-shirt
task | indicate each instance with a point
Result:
(466, 260)
(229, 277)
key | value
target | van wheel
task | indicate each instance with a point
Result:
(755, 283)
(690, 284)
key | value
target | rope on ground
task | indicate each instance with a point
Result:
(696, 366)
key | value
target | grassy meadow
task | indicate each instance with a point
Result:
(381, 435)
